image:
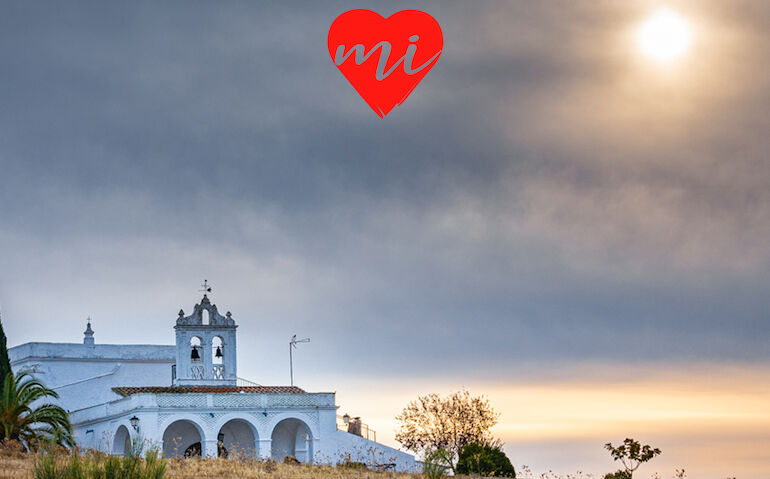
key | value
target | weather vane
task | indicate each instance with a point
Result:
(206, 288)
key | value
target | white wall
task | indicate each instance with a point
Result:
(373, 453)
(83, 376)
(211, 412)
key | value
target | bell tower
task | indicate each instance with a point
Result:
(205, 347)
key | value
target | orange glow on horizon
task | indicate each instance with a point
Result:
(692, 412)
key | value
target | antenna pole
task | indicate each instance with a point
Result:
(293, 344)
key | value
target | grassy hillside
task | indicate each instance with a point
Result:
(19, 465)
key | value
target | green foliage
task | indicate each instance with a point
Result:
(75, 467)
(136, 448)
(436, 463)
(48, 465)
(113, 467)
(32, 426)
(484, 460)
(154, 465)
(5, 362)
(632, 454)
(619, 474)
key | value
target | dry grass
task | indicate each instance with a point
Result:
(232, 468)
(15, 464)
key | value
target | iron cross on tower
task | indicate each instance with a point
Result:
(206, 288)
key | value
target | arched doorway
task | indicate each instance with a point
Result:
(237, 438)
(292, 437)
(121, 443)
(182, 438)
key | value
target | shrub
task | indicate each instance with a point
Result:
(436, 463)
(484, 460)
(75, 467)
(269, 465)
(45, 466)
(12, 449)
(632, 454)
(619, 474)
(48, 465)
(355, 465)
(154, 465)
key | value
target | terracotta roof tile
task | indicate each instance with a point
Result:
(128, 391)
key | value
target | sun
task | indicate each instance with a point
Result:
(664, 36)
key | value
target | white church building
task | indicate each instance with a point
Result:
(187, 399)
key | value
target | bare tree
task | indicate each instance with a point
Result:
(433, 422)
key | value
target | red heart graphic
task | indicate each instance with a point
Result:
(385, 58)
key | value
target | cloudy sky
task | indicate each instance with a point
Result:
(551, 218)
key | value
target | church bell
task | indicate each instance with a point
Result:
(194, 354)
(219, 352)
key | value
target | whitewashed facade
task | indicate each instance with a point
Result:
(187, 399)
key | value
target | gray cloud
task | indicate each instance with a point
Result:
(541, 196)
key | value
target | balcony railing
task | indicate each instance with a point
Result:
(245, 382)
(355, 426)
(241, 381)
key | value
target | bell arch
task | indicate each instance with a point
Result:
(196, 349)
(217, 349)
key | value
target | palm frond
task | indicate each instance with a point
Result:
(32, 425)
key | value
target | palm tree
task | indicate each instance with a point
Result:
(30, 424)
